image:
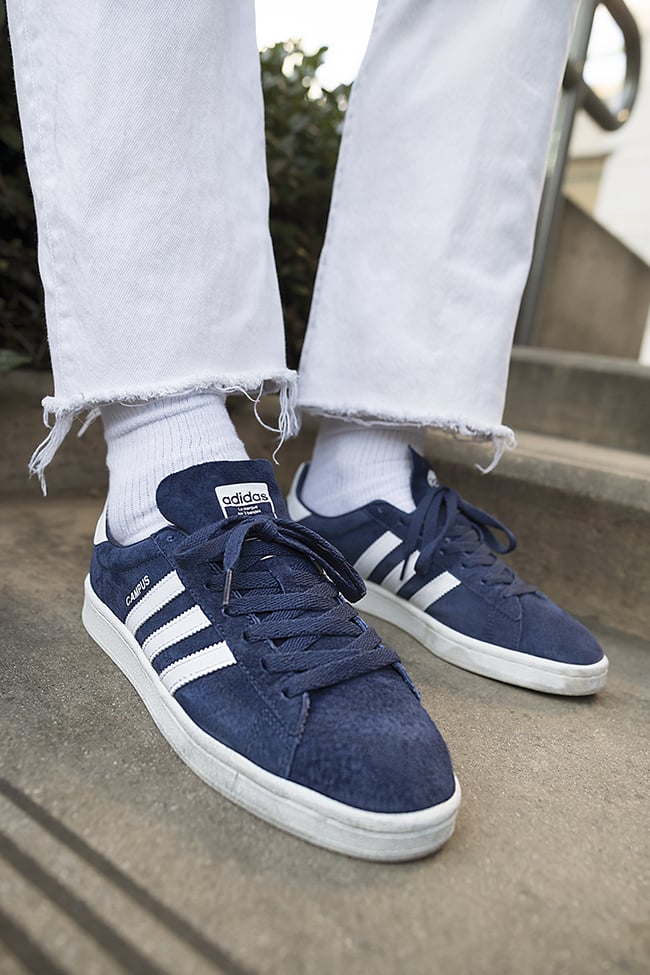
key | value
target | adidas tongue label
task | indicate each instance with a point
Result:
(251, 498)
(432, 480)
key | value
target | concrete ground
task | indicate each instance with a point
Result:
(116, 858)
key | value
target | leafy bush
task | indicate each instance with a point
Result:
(303, 125)
(22, 330)
(303, 129)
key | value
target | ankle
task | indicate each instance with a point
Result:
(353, 464)
(148, 441)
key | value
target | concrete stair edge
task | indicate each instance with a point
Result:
(588, 470)
(588, 361)
(583, 397)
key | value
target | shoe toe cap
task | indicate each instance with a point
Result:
(548, 631)
(370, 744)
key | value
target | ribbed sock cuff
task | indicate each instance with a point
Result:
(354, 463)
(148, 441)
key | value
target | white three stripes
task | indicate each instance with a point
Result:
(198, 664)
(186, 624)
(434, 590)
(376, 552)
(157, 597)
(218, 655)
(400, 575)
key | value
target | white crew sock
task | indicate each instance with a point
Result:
(148, 441)
(353, 464)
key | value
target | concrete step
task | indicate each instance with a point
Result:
(116, 858)
(596, 293)
(581, 515)
(591, 398)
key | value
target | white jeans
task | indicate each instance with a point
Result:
(143, 130)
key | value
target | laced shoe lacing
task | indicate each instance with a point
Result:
(443, 522)
(305, 629)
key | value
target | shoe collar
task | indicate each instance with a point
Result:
(209, 493)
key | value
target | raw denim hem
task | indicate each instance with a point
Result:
(59, 413)
(461, 428)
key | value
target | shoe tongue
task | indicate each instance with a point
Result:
(423, 477)
(207, 493)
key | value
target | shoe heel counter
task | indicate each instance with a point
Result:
(103, 582)
(295, 507)
(101, 529)
(100, 539)
(97, 574)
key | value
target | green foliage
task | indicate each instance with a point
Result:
(303, 126)
(22, 325)
(303, 129)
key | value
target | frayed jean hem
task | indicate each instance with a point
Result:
(59, 413)
(461, 428)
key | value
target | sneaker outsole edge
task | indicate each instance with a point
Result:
(291, 807)
(486, 659)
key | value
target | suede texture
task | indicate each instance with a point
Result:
(228, 707)
(116, 571)
(365, 741)
(370, 733)
(550, 632)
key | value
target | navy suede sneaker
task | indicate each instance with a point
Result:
(435, 573)
(232, 625)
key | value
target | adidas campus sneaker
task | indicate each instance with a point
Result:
(435, 573)
(231, 626)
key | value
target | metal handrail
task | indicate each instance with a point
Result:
(613, 118)
(576, 94)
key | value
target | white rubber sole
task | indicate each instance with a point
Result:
(291, 807)
(487, 659)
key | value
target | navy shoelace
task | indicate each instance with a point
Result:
(308, 633)
(443, 521)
